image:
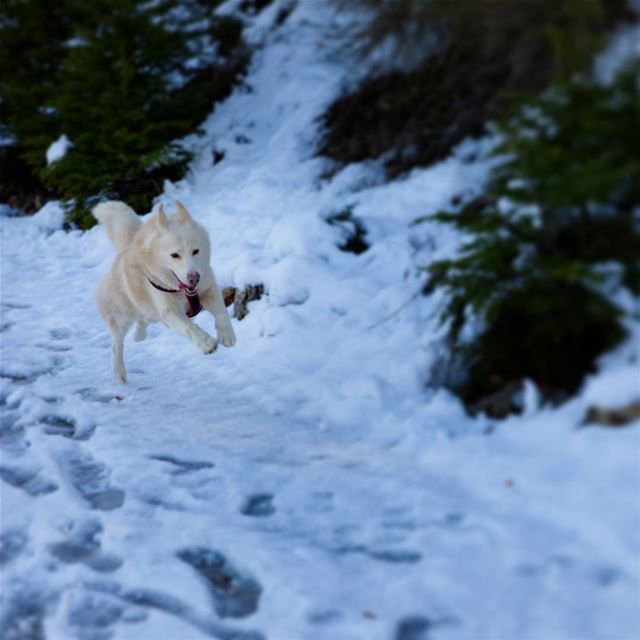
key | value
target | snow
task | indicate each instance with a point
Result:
(615, 388)
(393, 515)
(624, 45)
(50, 218)
(58, 149)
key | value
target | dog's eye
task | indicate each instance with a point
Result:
(175, 255)
(196, 251)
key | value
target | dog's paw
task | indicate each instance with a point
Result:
(226, 335)
(207, 344)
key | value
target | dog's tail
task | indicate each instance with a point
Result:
(120, 221)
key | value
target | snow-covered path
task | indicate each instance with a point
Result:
(302, 485)
(176, 506)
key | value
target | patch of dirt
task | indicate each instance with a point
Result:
(618, 417)
(241, 298)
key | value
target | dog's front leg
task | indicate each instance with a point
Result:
(212, 301)
(182, 325)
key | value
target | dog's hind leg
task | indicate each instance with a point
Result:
(118, 333)
(141, 331)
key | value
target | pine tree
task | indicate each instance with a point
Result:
(126, 80)
(562, 206)
(32, 34)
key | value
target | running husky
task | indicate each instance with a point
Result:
(161, 274)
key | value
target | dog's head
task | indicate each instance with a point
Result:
(178, 249)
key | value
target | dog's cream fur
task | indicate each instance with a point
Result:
(125, 294)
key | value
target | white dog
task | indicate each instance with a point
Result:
(161, 274)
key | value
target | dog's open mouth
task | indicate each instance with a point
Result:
(190, 291)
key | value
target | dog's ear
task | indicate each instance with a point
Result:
(183, 215)
(161, 217)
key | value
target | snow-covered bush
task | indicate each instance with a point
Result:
(554, 237)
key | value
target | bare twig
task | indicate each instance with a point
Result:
(393, 314)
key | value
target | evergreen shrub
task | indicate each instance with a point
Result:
(556, 232)
(123, 79)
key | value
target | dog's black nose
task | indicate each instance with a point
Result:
(193, 277)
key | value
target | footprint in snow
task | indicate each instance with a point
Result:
(23, 615)
(92, 394)
(144, 599)
(90, 479)
(234, 594)
(93, 615)
(12, 543)
(607, 575)
(395, 556)
(29, 478)
(10, 432)
(21, 378)
(57, 348)
(67, 428)
(418, 627)
(324, 616)
(392, 556)
(181, 466)
(60, 334)
(83, 545)
(258, 505)
(413, 628)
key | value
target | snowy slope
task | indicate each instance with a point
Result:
(304, 484)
